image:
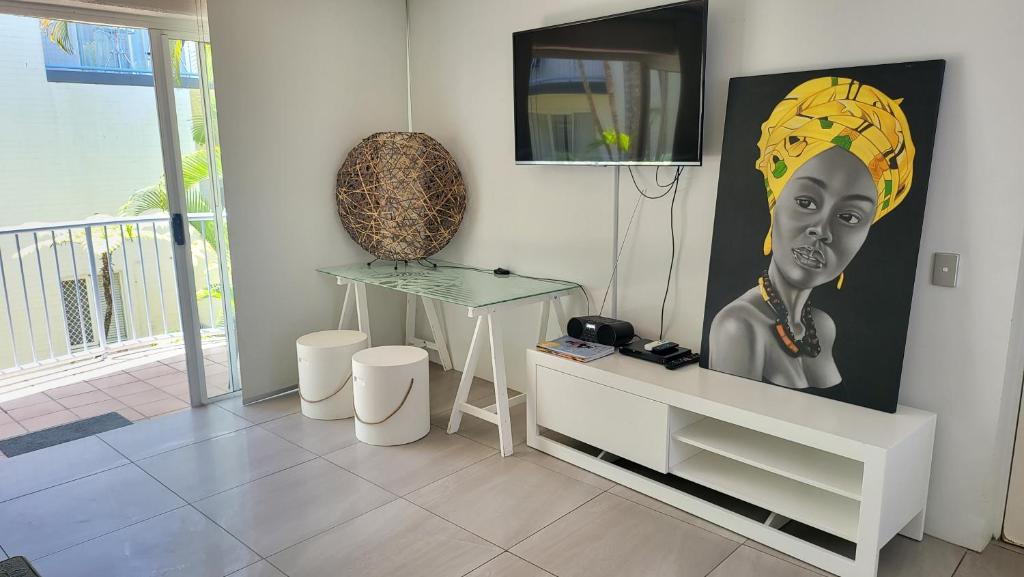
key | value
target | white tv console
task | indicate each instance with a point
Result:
(854, 473)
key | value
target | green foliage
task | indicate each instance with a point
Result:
(57, 32)
(620, 140)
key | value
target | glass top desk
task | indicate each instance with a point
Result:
(483, 294)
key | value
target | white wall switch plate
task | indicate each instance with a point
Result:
(945, 266)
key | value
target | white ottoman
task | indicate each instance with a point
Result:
(392, 394)
(325, 372)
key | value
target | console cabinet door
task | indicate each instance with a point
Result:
(620, 423)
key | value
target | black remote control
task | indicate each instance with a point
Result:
(665, 348)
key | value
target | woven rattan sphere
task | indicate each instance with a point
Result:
(401, 195)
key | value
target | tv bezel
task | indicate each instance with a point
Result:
(703, 82)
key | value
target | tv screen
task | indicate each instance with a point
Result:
(624, 89)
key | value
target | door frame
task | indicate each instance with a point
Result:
(184, 271)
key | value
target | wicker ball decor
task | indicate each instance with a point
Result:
(400, 195)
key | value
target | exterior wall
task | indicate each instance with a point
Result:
(68, 151)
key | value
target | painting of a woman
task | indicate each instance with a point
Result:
(836, 157)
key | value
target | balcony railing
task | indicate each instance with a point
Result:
(79, 289)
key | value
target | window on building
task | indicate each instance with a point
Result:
(93, 54)
(75, 294)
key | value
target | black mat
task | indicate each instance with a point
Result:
(17, 567)
(61, 434)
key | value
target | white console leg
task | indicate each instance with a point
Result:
(915, 528)
(466, 382)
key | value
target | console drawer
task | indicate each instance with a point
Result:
(621, 423)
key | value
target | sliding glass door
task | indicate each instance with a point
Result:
(186, 100)
(113, 237)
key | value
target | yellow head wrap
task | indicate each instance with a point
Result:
(832, 111)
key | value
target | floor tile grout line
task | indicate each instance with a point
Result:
(454, 524)
(524, 560)
(229, 533)
(963, 557)
(233, 487)
(130, 462)
(553, 470)
(196, 509)
(455, 472)
(726, 558)
(329, 529)
(282, 437)
(1008, 546)
(560, 517)
(743, 542)
(500, 553)
(780, 556)
(249, 426)
(132, 524)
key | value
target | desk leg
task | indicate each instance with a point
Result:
(563, 321)
(363, 312)
(466, 382)
(410, 318)
(500, 386)
(545, 318)
(434, 311)
(345, 305)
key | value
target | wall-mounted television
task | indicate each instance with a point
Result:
(622, 89)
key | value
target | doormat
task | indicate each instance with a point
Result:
(62, 434)
(17, 567)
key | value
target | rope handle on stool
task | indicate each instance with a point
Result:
(338, 390)
(392, 413)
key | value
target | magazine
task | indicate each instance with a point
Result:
(575, 349)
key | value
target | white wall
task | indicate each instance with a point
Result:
(553, 221)
(298, 85)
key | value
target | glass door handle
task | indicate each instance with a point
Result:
(178, 229)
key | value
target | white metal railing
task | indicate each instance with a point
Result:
(78, 288)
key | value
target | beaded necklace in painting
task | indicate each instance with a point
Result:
(794, 347)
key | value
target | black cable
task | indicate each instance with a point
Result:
(642, 192)
(672, 260)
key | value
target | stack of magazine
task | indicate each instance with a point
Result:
(575, 349)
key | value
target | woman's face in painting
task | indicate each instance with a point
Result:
(822, 218)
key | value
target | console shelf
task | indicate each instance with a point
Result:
(744, 455)
(814, 467)
(809, 505)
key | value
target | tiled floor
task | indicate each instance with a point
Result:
(260, 491)
(140, 392)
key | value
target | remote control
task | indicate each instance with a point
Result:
(665, 348)
(650, 345)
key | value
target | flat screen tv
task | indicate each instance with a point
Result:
(623, 89)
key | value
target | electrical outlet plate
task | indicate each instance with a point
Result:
(945, 266)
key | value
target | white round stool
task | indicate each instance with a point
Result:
(391, 394)
(325, 371)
